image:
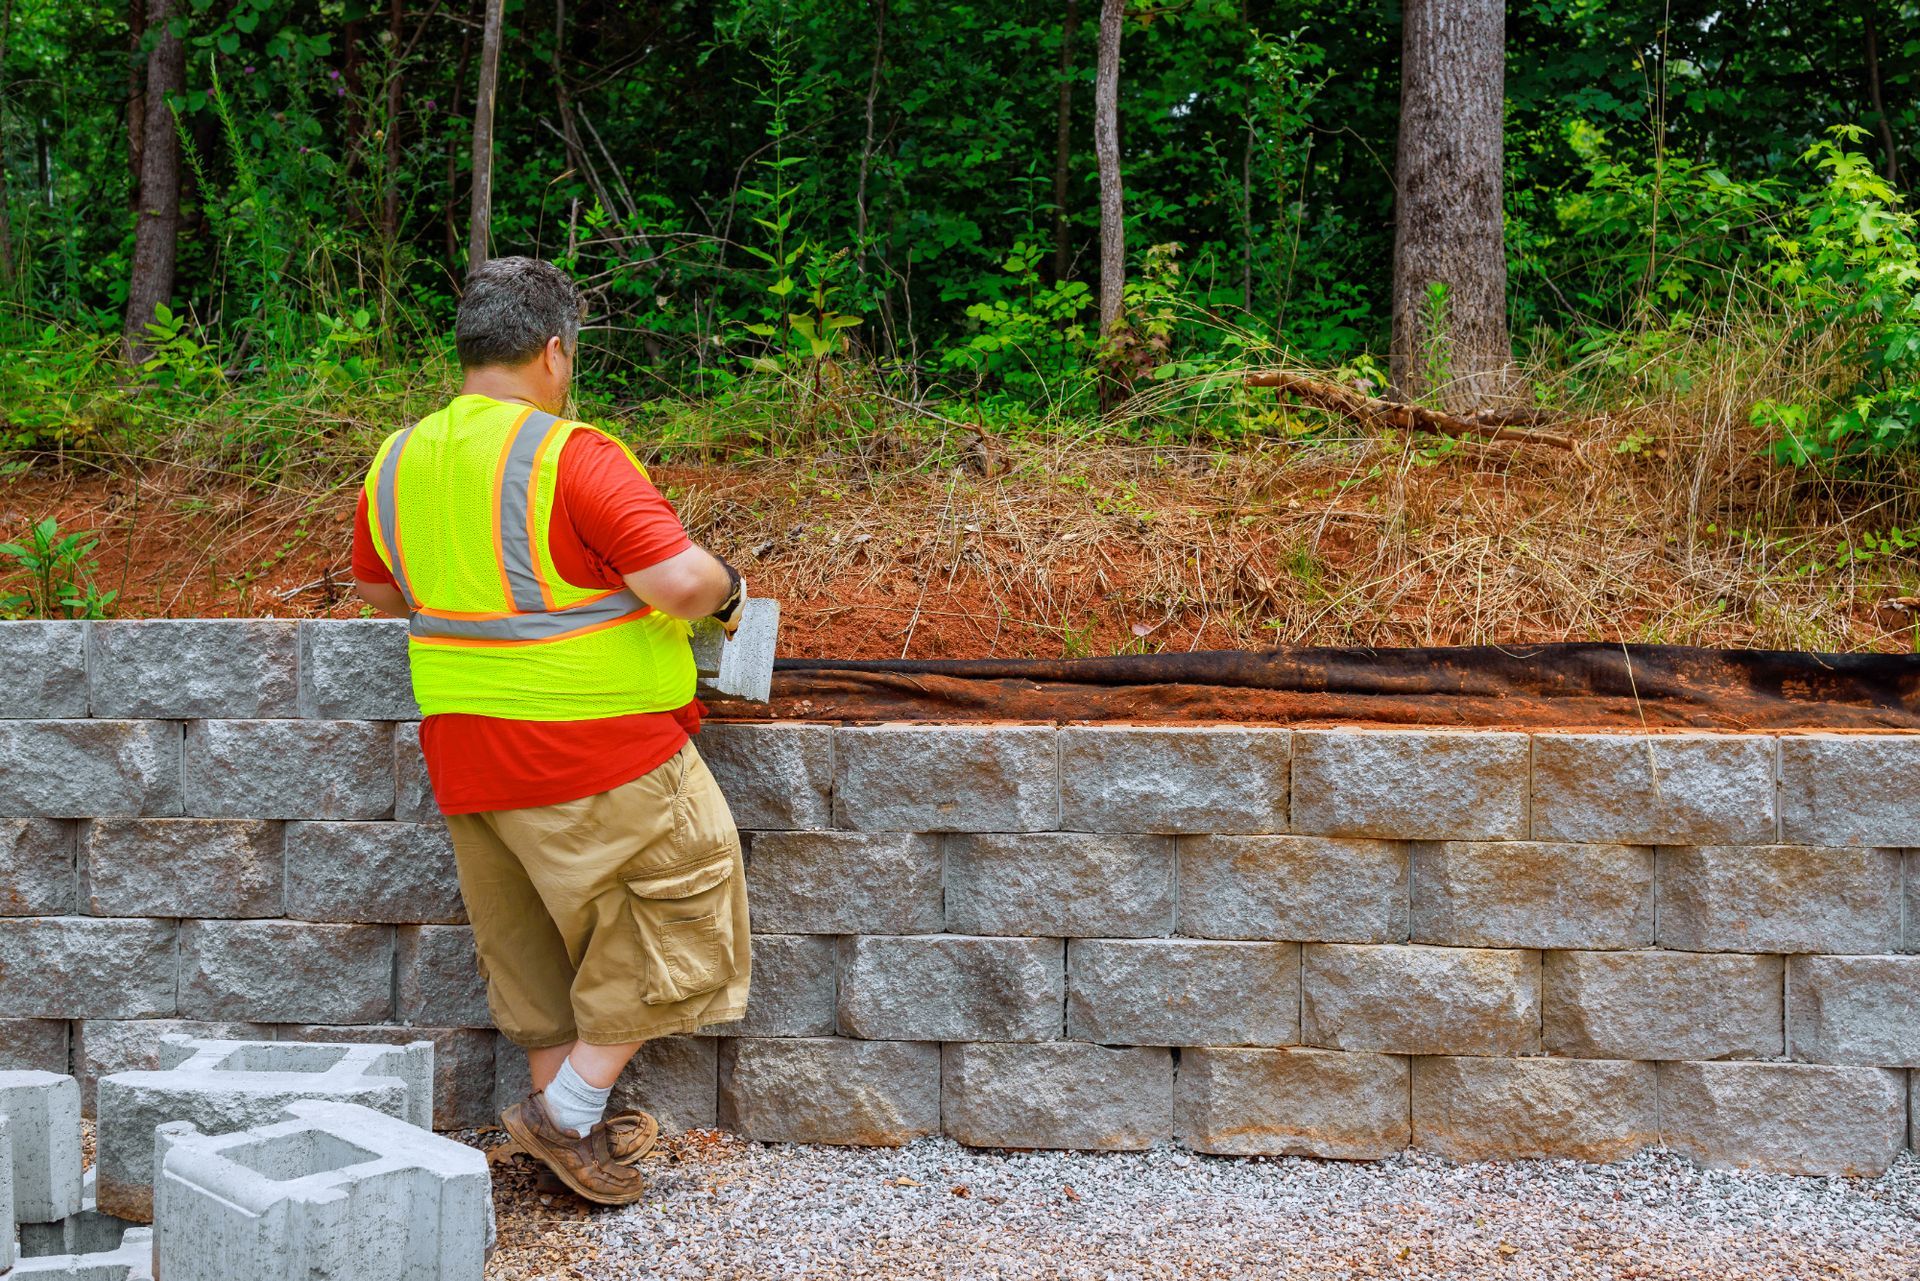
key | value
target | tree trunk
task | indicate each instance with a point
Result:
(480, 208)
(1892, 167)
(866, 146)
(452, 201)
(1106, 146)
(1449, 258)
(390, 198)
(6, 222)
(156, 234)
(1063, 146)
(136, 98)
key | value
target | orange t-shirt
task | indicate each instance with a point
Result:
(608, 520)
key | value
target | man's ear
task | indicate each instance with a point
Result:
(555, 353)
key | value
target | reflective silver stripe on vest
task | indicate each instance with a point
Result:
(516, 488)
(389, 517)
(539, 626)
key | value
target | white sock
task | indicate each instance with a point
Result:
(574, 1104)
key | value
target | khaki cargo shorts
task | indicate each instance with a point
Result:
(614, 918)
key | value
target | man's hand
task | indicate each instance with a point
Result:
(735, 606)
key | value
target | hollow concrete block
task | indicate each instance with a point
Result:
(910, 778)
(36, 866)
(1173, 779)
(775, 777)
(1053, 884)
(844, 882)
(85, 1232)
(8, 1248)
(184, 668)
(182, 867)
(131, 1260)
(334, 1191)
(46, 667)
(102, 1047)
(89, 769)
(398, 873)
(223, 1086)
(43, 1111)
(356, 669)
(289, 769)
(463, 1065)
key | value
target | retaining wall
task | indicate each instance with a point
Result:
(1254, 940)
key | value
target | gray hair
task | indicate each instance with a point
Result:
(512, 306)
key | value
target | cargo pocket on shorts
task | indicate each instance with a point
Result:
(684, 920)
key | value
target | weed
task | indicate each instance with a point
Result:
(58, 570)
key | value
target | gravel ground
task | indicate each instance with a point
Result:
(723, 1208)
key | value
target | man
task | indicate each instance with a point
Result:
(546, 580)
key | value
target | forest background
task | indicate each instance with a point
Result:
(845, 267)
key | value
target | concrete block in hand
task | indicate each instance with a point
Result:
(182, 867)
(1538, 894)
(740, 665)
(46, 666)
(844, 882)
(356, 669)
(1779, 898)
(36, 866)
(399, 873)
(1291, 1102)
(829, 1090)
(1173, 779)
(289, 769)
(131, 1260)
(793, 988)
(43, 1132)
(1487, 1109)
(335, 1190)
(286, 972)
(83, 967)
(1345, 890)
(182, 668)
(1060, 884)
(909, 778)
(224, 1086)
(775, 777)
(1420, 1000)
(1854, 1009)
(1661, 1005)
(89, 769)
(1429, 785)
(1058, 1095)
(951, 987)
(1790, 1118)
(1183, 992)
(437, 979)
(1664, 789)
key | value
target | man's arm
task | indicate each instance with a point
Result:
(692, 584)
(384, 597)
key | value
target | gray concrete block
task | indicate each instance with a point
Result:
(1532, 894)
(290, 769)
(43, 1134)
(1431, 785)
(1182, 992)
(1854, 1009)
(437, 979)
(89, 769)
(102, 1047)
(1850, 789)
(793, 988)
(46, 667)
(1293, 887)
(192, 667)
(1654, 789)
(463, 1065)
(38, 1045)
(36, 866)
(9, 1229)
(828, 1090)
(355, 669)
(1420, 1000)
(286, 972)
(775, 777)
(951, 987)
(84, 1232)
(182, 867)
(337, 1191)
(676, 1078)
(1291, 1102)
(131, 1260)
(844, 882)
(1661, 1005)
(1060, 884)
(413, 791)
(1790, 1118)
(224, 1086)
(741, 664)
(1478, 1109)
(1779, 898)
(907, 778)
(81, 967)
(1173, 779)
(1059, 1095)
(396, 873)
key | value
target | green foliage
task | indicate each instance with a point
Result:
(53, 576)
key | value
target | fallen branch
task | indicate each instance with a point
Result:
(1335, 399)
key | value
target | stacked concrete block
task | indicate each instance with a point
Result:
(844, 882)
(79, 967)
(90, 769)
(1661, 1005)
(437, 979)
(400, 873)
(355, 669)
(1133, 779)
(675, 1078)
(1792, 1118)
(950, 987)
(794, 987)
(1420, 1000)
(830, 1090)
(1485, 1109)
(131, 1260)
(243, 668)
(1060, 884)
(1654, 789)
(223, 1086)
(1854, 1010)
(1410, 784)
(41, 1045)
(1850, 789)
(463, 1064)
(36, 866)
(1183, 992)
(1536, 894)
(288, 769)
(43, 1131)
(286, 972)
(102, 1047)
(183, 867)
(901, 778)
(1059, 1095)
(46, 667)
(776, 778)
(336, 1191)
(412, 790)
(1292, 1102)
(1293, 887)
(1779, 898)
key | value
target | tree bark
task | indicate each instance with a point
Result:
(1448, 224)
(1106, 146)
(1063, 146)
(480, 207)
(866, 146)
(453, 161)
(1892, 166)
(6, 222)
(390, 198)
(156, 235)
(136, 98)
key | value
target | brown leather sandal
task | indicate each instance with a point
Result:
(595, 1166)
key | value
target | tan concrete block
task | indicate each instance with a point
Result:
(1293, 887)
(1183, 992)
(1475, 1109)
(1661, 1005)
(1854, 1009)
(1291, 1102)
(1421, 1000)
(1791, 1118)
(1850, 789)
(1779, 898)
(1537, 894)
(1058, 1095)
(1430, 785)
(1653, 789)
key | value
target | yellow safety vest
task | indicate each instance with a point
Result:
(460, 504)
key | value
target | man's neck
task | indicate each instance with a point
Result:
(499, 384)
